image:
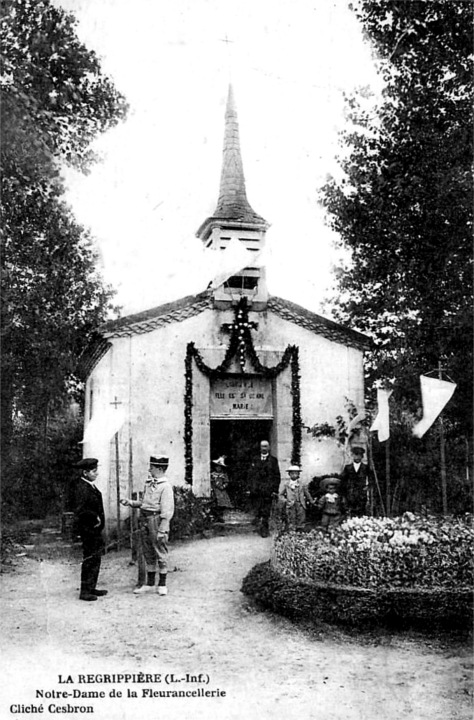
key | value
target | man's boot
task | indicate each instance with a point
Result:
(86, 594)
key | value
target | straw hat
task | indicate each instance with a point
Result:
(329, 481)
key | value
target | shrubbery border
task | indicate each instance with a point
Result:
(353, 606)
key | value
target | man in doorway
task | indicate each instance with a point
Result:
(90, 518)
(263, 484)
(357, 484)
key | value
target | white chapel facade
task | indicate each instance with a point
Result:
(214, 373)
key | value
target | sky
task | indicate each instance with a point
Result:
(158, 179)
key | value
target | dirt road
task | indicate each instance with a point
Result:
(205, 636)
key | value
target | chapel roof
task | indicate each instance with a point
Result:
(232, 205)
(192, 305)
(318, 323)
(148, 320)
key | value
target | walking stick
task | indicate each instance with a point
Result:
(141, 580)
(372, 467)
(141, 556)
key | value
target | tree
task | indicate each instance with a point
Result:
(55, 101)
(404, 205)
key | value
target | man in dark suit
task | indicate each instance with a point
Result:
(263, 483)
(356, 484)
(90, 519)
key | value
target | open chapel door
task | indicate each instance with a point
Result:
(239, 441)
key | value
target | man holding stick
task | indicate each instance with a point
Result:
(156, 511)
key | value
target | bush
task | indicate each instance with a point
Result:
(192, 515)
(358, 607)
(407, 552)
(37, 479)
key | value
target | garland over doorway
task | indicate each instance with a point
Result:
(240, 346)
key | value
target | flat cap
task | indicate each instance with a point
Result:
(159, 461)
(87, 464)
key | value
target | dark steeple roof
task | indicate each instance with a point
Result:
(232, 204)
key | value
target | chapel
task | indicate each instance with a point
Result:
(212, 374)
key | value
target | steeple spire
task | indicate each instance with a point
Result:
(232, 204)
(235, 224)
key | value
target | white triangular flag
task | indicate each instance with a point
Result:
(103, 425)
(356, 421)
(382, 422)
(230, 261)
(352, 426)
(435, 394)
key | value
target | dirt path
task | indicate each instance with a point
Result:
(267, 667)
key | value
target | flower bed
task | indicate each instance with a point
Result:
(382, 553)
(400, 571)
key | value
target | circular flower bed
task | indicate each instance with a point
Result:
(389, 570)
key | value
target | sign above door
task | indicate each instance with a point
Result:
(241, 397)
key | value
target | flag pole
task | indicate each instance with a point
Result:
(442, 453)
(133, 546)
(116, 403)
(387, 477)
(372, 467)
(117, 481)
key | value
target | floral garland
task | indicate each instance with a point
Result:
(188, 418)
(240, 344)
(296, 394)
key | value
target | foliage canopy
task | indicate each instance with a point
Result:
(55, 101)
(404, 204)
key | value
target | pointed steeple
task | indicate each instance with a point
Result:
(232, 205)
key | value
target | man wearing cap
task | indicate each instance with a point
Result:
(356, 484)
(263, 482)
(156, 511)
(90, 518)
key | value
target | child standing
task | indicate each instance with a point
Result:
(293, 497)
(156, 511)
(219, 484)
(331, 503)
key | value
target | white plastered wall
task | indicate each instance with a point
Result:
(147, 375)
